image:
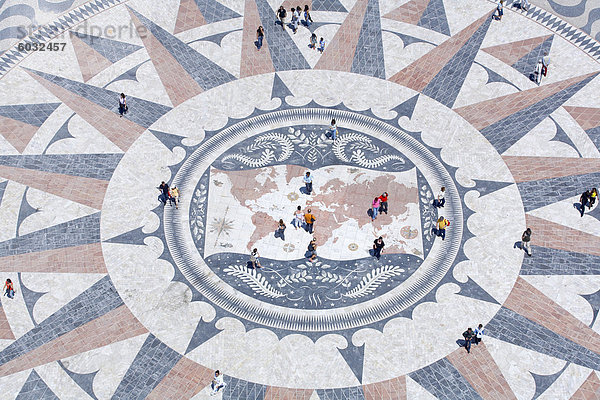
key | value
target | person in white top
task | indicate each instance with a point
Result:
(441, 200)
(333, 130)
(217, 383)
(298, 218)
(538, 72)
(295, 19)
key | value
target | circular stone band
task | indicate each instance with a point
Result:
(190, 262)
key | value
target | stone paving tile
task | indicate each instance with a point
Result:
(446, 85)
(5, 330)
(434, 18)
(152, 363)
(594, 135)
(514, 328)
(512, 52)
(392, 389)
(526, 64)
(184, 381)
(241, 389)
(339, 54)
(97, 166)
(112, 50)
(31, 114)
(180, 86)
(188, 16)
(444, 381)
(35, 389)
(482, 372)
(532, 304)
(368, 57)
(548, 261)
(253, 61)
(525, 169)
(17, 133)
(590, 390)
(84, 259)
(213, 11)
(409, 12)
(284, 53)
(560, 237)
(91, 63)
(205, 72)
(328, 5)
(424, 69)
(351, 393)
(87, 191)
(279, 393)
(80, 231)
(586, 117)
(536, 194)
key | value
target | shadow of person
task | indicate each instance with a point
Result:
(249, 265)
(518, 245)
(461, 342)
(303, 190)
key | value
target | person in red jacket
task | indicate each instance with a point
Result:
(383, 207)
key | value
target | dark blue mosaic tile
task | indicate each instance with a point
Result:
(205, 72)
(240, 389)
(35, 389)
(536, 194)
(2, 189)
(328, 5)
(546, 261)
(350, 393)
(111, 49)
(434, 18)
(84, 230)
(32, 114)
(543, 382)
(97, 166)
(93, 303)
(506, 132)
(511, 327)
(444, 381)
(594, 134)
(446, 85)
(368, 58)
(213, 11)
(152, 363)
(526, 64)
(284, 53)
(84, 381)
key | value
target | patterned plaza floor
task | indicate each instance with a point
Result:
(119, 296)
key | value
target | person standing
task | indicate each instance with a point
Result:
(310, 220)
(545, 64)
(313, 42)
(312, 249)
(175, 196)
(298, 218)
(217, 383)
(378, 246)
(333, 130)
(282, 14)
(122, 105)
(164, 189)
(584, 200)
(441, 198)
(295, 20)
(468, 335)
(375, 208)
(479, 332)
(9, 289)
(442, 224)
(280, 230)
(383, 206)
(255, 259)
(538, 72)
(308, 182)
(321, 45)
(260, 34)
(526, 239)
(307, 19)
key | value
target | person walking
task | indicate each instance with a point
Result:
(164, 190)
(383, 206)
(442, 224)
(255, 259)
(479, 332)
(378, 246)
(539, 67)
(468, 335)
(175, 196)
(321, 45)
(333, 130)
(122, 105)
(298, 218)
(441, 198)
(526, 239)
(499, 10)
(312, 249)
(307, 19)
(313, 42)
(308, 183)
(282, 14)
(375, 208)
(310, 220)
(280, 230)
(217, 383)
(295, 20)
(584, 200)
(593, 197)
(545, 64)
(260, 34)
(9, 289)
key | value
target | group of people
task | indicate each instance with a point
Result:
(168, 194)
(474, 336)
(588, 198)
(379, 206)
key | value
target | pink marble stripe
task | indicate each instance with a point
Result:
(409, 12)
(184, 381)
(253, 61)
(512, 52)
(84, 259)
(560, 237)
(590, 390)
(5, 331)
(524, 168)
(17, 133)
(90, 61)
(392, 389)
(188, 16)
(586, 117)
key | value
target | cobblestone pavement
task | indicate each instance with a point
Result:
(121, 296)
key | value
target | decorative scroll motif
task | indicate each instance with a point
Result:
(267, 146)
(428, 212)
(353, 147)
(254, 280)
(373, 279)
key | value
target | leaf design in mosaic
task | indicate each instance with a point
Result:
(357, 145)
(429, 214)
(268, 145)
(373, 279)
(199, 211)
(254, 280)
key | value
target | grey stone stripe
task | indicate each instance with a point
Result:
(546, 261)
(152, 363)
(32, 114)
(511, 327)
(93, 303)
(213, 11)
(536, 194)
(368, 58)
(80, 231)
(111, 49)
(97, 166)
(444, 381)
(350, 393)
(241, 389)
(328, 5)
(434, 18)
(205, 72)
(506, 132)
(35, 389)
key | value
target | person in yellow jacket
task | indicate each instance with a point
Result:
(175, 196)
(442, 223)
